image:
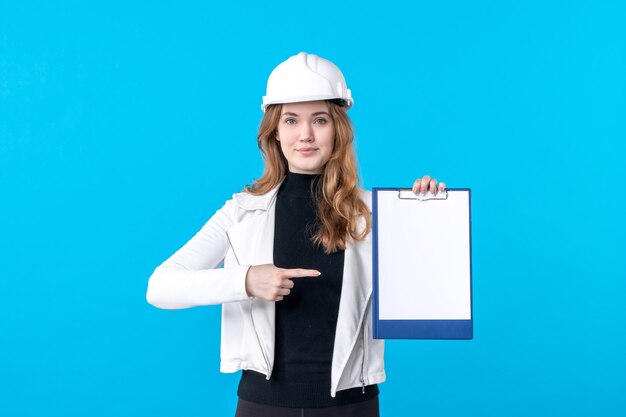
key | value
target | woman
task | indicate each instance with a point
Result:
(296, 251)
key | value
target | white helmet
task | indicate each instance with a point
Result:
(306, 77)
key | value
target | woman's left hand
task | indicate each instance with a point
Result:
(424, 184)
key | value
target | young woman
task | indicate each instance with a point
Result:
(296, 252)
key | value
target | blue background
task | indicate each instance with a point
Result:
(124, 126)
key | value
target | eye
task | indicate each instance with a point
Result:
(321, 121)
(290, 121)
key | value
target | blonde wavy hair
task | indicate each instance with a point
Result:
(339, 206)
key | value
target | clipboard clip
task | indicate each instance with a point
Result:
(410, 195)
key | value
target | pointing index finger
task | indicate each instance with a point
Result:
(302, 273)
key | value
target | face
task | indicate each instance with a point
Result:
(306, 133)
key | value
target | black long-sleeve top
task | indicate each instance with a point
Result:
(306, 319)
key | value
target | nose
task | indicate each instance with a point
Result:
(306, 133)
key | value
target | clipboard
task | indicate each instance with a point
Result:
(422, 264)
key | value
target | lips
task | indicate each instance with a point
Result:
(306, 152)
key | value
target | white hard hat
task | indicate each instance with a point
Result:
(306, 77)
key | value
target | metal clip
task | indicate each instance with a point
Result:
(410, 195)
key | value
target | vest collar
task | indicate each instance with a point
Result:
(249, 201)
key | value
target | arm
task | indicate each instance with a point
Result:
(192, 277)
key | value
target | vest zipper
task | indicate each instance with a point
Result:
(363, 362)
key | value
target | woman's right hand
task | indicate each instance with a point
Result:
(272, 283)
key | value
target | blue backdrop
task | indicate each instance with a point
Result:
(119, 125)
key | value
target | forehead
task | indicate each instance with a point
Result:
(305, 107)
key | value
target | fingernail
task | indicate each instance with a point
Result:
(319, 273)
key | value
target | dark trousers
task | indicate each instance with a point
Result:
(367, 408)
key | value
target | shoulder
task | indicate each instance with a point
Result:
(247, 201)
(366, 197)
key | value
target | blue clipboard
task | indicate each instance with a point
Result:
(422, 265)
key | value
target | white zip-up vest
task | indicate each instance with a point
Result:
(239, 235)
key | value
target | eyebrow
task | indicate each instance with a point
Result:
(314, 114)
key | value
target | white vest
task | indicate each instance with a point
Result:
(241, 234)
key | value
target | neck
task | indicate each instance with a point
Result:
(299, 184)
